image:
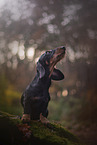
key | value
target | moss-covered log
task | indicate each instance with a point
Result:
(14, 132)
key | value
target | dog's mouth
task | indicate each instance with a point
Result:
(58, 55)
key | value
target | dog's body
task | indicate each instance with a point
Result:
(36, 96)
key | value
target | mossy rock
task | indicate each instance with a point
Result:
(14, 132)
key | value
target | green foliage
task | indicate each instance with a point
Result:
(64, 110)
(12, 131)
(3, 85)
(9, 97)
(12, 97)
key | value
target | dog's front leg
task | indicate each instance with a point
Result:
(43, 119)
(26, 115)
(25, 118)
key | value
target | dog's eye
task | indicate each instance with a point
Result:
(48, 52)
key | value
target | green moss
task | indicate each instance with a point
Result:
(53, 133)
(45, 134)
(13, 131)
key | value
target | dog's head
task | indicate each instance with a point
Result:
(47, 61)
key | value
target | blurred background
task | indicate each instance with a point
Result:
(27, 29)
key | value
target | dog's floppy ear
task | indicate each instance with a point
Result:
(57, 75)
(40, 69)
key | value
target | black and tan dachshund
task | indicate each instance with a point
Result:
(36, 97)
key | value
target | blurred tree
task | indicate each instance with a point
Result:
(29, 27)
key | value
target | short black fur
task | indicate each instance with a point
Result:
(36, 97)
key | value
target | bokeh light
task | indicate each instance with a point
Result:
(30, 53)
(65, 93)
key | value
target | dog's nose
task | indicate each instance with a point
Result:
(63, 48)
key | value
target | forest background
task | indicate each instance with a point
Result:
(30, 27)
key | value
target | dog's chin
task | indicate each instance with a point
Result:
(55, 61)
(62, 55)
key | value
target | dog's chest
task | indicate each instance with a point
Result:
(46, 83)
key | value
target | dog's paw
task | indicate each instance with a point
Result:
(43, 119)
(25, 118)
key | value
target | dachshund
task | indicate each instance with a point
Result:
(36, 97)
